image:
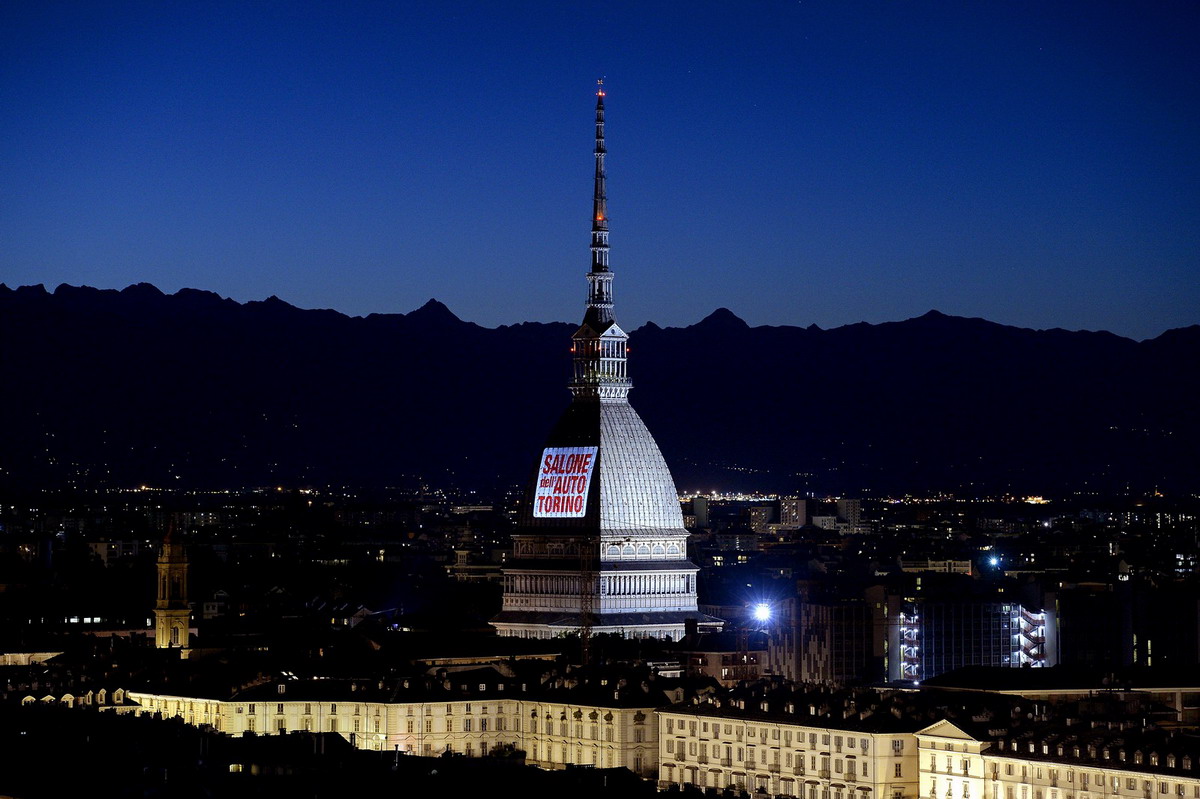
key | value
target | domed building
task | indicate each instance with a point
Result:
(601, 537)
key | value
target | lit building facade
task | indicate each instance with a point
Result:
(470, 718)
(601, 537)
(1080, 761)
(782, 751)
(932, 637)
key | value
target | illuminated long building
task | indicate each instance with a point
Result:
(601, 534)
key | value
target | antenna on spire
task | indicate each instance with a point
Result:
(600, 87)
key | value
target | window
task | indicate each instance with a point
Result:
(466, 725)
(897, 745)
(898, 768)
(411, 726)
(639, 736)
(279, 709)
(483, 725)
(428, 725)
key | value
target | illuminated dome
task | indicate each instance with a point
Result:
(632, 491)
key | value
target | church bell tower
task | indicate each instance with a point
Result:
(172, 614)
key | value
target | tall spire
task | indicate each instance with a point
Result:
(600, 192)
(599, 344)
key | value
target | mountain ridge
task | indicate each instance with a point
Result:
(436, 308)
(132, 386)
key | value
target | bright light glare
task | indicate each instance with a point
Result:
(762, 612)
(995, 561)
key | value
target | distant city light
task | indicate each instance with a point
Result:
(762, 612)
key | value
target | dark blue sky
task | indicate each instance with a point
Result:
(1036, 163)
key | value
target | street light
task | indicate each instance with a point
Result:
(762, 612)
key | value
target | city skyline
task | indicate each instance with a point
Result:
(797, 164)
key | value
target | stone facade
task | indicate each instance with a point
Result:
(782, 756)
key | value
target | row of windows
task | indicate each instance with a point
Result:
(306, 724)
(849, 768)
(308, 709)
(761, 784)
(839, 743)
(466, 725)
(1146, 787)
(1085, 777)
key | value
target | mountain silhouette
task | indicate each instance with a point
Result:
(118, 388)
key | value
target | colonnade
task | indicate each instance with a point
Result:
(642, 584)
(610, 585)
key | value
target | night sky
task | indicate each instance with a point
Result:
(1037, 164)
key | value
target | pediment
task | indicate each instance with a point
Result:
(946, 729)
(612, 331)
